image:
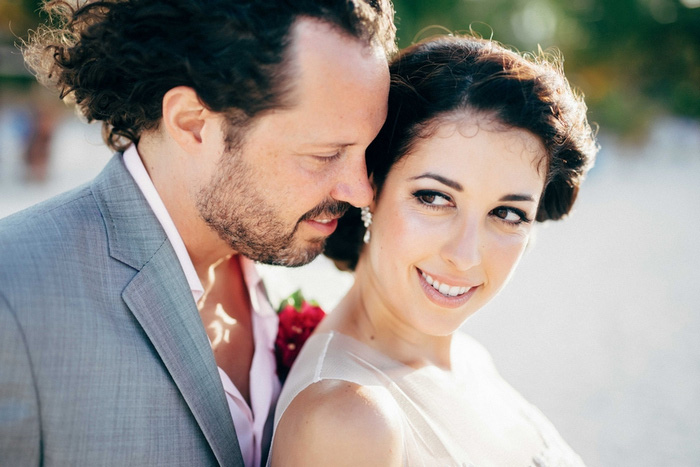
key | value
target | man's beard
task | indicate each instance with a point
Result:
(233, 207)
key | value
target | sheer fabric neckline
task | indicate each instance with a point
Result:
(462, 417)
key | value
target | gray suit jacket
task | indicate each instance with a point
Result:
(103, 356)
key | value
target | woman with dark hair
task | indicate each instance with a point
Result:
(480, 142)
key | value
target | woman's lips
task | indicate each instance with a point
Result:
(445, 295)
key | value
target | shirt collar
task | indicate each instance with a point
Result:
(256, 288)
(135, 166)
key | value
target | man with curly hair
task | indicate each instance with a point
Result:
(133, 327)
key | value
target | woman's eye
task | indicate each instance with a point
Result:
(511, 215)
(433, 198)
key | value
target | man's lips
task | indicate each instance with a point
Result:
(324, 226)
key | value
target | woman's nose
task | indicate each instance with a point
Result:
(463, 245)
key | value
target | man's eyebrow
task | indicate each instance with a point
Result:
(445, 181)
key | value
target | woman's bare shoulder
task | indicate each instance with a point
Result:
(337, 423)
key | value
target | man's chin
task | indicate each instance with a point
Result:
(292, 257)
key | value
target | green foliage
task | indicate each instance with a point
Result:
(633, 59)
(16, 18)
(296, 300)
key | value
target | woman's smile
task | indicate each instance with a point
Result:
(445, 288)
(447, 299)
(450, 223)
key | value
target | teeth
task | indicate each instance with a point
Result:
(324, 221)
(444, 289)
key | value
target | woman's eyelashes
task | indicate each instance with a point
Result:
(511, 215)
(433, 199)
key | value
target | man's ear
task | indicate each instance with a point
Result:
(184, 117)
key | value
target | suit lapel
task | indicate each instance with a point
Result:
(166, 311)
(160, 299)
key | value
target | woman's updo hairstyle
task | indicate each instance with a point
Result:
(441, 78)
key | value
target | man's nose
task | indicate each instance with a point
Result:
(352, 185)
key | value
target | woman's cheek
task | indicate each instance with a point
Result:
(506, 255)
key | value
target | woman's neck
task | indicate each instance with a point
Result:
(364, 315)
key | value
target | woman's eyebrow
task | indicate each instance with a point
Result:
(518, 197)
(445, 181)
(457, 186)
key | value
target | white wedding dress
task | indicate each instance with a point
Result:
(465, 417)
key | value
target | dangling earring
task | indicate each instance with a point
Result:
(366, 217)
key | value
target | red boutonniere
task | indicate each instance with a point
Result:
(297, 320)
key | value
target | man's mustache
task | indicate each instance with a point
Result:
(328, 208)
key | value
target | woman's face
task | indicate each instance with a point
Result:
(452, 221)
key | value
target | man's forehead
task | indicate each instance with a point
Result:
(315, 42)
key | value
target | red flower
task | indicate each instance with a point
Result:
(297, 320)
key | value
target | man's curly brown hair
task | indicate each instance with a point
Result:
(116, 59)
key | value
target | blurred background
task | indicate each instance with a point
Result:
(599, 325)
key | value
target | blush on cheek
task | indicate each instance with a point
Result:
(507, 256)
(410, 236)
(393, 241)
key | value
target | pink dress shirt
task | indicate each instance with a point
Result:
(264, 384)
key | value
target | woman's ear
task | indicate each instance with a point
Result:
(184, 117)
